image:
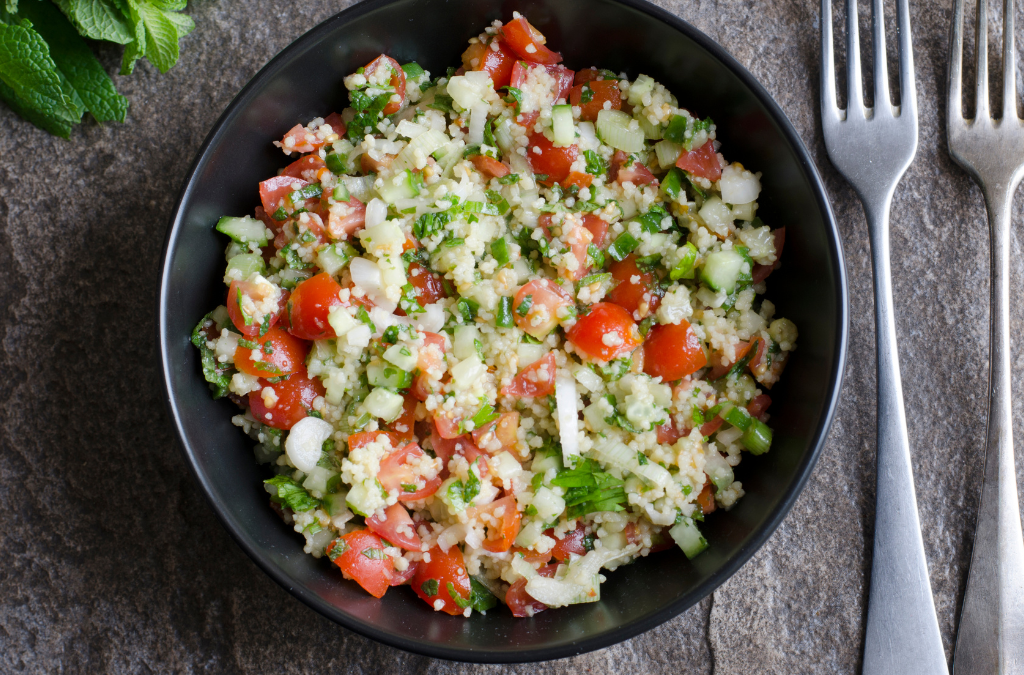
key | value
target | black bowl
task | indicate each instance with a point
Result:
(305, 80)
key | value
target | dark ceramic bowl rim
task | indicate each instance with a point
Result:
(621, 632)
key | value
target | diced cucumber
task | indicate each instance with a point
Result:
(402, 356)
(545, 460)
(242, 266)
(465, 341)
(548, 504)
(335, 503)
(383, 239)
(562, 125)
(380, 374)
(468, 372)
(384, 403)
(429, 142)
(317, 479)
(244, 230)
(364, 498)
(668, 152)
(333, 259)
(340, 320)
(291, 278)
(620, 131)
(688, 537)
(404, 185)
(652, 132)
(721, 270)
(528, 353)
(684, 268)
(717, 469)
(642, 85)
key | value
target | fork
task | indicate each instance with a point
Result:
(990, 638)
(872, 148)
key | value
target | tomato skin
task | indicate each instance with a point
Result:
(336, 123)
(287, 355)
(578, 238)
(636, 173)
(702, 162)
(274, 190)
(361, 438)
(396, 527)
(528, 382)
(711, 426)
(372, 573)
(598, 228)
(603, 90)
(719, 369)
(397, 80)
(307, 163)
(555, 162)
(629, 294)
(446, 448)
(673, 351)
(302, 140)
(402, 427)
(294, 400)
(571, 543)
(759, 405)
(310, 305)
(236, 315)
(504, 429)
(501, 535)
(580, 180)
(489, 167)
(445, 567)
(342, 223)
(429, 285)
(531, 556)
(395, 470)
(706, 499)
(527, 120)
(520, 602)
(761, 272)
(605, 318)
(404, 577)
(497, 64)
(526, 41)
(541, 315)
(668, 434)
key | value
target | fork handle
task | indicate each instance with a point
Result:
(902, 634)
(990, 638)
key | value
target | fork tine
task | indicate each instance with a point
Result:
(981, 46)
(954, 105)
(829, 106)
(855, 92)
(883, 102)
(908, 85)
(1009, 64)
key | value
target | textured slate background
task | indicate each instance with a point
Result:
(110, 559)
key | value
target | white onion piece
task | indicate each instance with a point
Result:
(305, 442)
(410, 129)
(431, 319)
(588, 135)
(367, 276)
(477, 120)
(376, 213)
(739, 186)
(568, 429)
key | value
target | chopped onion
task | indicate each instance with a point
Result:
(376, 213)
(477, 120)
(568, 429)
(739, 186)
(305, 441)
(410, 129)
(367, 276)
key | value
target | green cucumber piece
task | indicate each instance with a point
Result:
(244, 230)
(722, 270)
(562, 125)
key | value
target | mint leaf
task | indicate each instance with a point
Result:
(136, 49)
(183, 23)
(45, 122)
(169, 5)
(161, 37)
(11, 6)
(76, 62)
(98, 20)
(292, 495)
(27, 69)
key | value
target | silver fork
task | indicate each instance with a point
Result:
(990, 638)
(872, 148)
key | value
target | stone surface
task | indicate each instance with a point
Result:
(110, 559)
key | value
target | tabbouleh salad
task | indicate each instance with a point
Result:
(497, 331)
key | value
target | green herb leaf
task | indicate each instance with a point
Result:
(373, 553)
(429, 587)
(509, 179)
(27, 69)
(291, 494)
(217, 374)
(480, 597)
(462, 602)
(97, 20)
(336, 549)
(596, 165)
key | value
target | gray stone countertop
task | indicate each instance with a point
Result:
(110, 558)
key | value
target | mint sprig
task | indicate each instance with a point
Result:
(49, 75)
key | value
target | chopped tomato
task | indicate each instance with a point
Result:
(590, 74)
(346, 218)
(307, 163)
(758, 405)
(672, 351)
(528, 42)
(292, 399)
(360, 555)
(504, 430)
(405, 576)
(443, 578)
(706, 499)
(300, 139)
(668, 434)
(637, 291)
(580, 180)
(702, 162)
(531, 556)
(361, 438)
(537, 379)
(422, 386)
(600, 92)
(336, 123)
(502, 519)
(446, 448)
(661, 541)
(277, 354)
(294, 229)
(431, 355)
(310, 305)
(578, 238)
(274, 190)
(536, 306)
(396, 527)
(761, 272)
(447, 427)
(632, 536)
(719, 369)
(553, 161)
(527, 120)
(429, 286)
(402, 427)
(562, 78)
(495, 62)
(370, 165)
(598, 227)
(397, 81)
(520, 602)
(758, 363)
(402, 470)
(571, 544)
(711, 426)
(634, 172)
(238, 316)
(489, 167)
(606, 332)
